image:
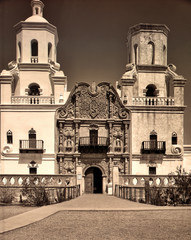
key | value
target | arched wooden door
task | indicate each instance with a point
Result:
(93, 180)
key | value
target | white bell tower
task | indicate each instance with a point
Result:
(36, 71)
(36, 38)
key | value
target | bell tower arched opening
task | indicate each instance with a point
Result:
(93, 180)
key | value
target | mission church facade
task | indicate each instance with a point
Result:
(95, 132)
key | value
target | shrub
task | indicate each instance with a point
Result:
(6, 195)
(60, 195)
(141, 200)
(183, 183)
(36, 194)
(180, 193)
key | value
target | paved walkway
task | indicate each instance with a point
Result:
(87, 202)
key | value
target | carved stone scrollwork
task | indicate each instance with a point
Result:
(67, 112)
(176, 149)
(68, 167)
(121, 166)
(123, 113)
(95, 102)
(68, 132)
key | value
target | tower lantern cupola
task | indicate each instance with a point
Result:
(36, 38)
(37, 7)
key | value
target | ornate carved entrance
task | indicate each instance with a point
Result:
(93, 180)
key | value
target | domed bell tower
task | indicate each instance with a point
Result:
(36, 58)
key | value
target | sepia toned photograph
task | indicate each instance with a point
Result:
(95, 119)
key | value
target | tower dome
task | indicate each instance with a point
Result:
(37, 12)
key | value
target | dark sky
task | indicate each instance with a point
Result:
(92, 36)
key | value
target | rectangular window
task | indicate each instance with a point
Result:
(152, 170)
(93, 137)
(32, 170)
(174, 140)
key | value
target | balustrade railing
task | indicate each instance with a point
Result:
(154, 180)
(34, 59)
(133, 187)
(31, 144)
(87, 141)
(49, 181)
(153, 147)
(32, 100)
(153, 101)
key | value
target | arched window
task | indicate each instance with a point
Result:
(136, 53)
(49, 51)
(34, 48)
(36, 10)
(153, 136)
(151, 90)
(19, 51)
(34, 89)
(32, 138)
(9, 137)
(32, 167)
(153, 140)
(174, 138)
(164, 54)
(151, 52)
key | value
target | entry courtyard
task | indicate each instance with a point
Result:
(108, 225)
(99, 216)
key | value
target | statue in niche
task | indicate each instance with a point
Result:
(117, 132)
(68, 145)
(118, 145)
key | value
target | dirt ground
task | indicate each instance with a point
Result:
(108, 225)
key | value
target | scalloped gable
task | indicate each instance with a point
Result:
(93, 102)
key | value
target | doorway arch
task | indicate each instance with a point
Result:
(93, 180)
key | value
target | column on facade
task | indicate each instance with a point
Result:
(126, 137)
(110, 137)
(76, 136)
(126, 165)
(61, 148)
(60, 165)
(110, 169)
